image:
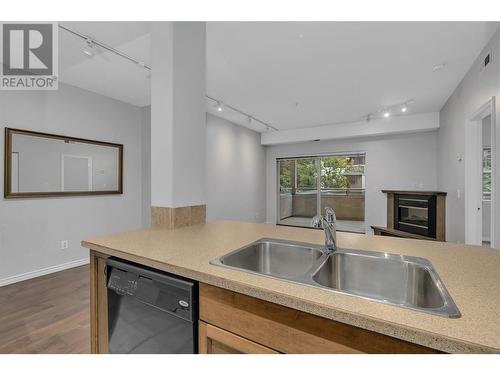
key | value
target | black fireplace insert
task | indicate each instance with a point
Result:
(415, 214)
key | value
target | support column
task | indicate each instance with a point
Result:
(178, 129)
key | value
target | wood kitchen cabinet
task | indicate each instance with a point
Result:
(98, 304)
(236, 323)
(213, 340)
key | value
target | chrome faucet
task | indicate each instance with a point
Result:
(328, 223)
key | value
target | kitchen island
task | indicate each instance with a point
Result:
(234, 305)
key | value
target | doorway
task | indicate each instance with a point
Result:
(480, 190)
(76, 173)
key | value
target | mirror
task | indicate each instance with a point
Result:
(40, 165)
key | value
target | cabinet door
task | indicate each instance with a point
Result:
(213, 340)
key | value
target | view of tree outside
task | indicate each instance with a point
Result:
(487, 173)
(307, 175)
(285, 176)
(337, 172)
(333, 170)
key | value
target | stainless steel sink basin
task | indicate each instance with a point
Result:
(399, 280)
(274, 258)
(403, 281)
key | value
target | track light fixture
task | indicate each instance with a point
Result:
(400, 108)
(89, 48)
(91, 43)
(220, 106)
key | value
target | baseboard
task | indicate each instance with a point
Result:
(43, 271)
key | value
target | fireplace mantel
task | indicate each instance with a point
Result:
(415, 214)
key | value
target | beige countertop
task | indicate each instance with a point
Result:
(470, 273)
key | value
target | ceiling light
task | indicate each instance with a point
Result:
(386, 114)
(438, 67)
(404, 109)
(89, 48)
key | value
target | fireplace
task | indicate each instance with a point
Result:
(415, 214)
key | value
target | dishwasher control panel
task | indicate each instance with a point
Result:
(123, 282)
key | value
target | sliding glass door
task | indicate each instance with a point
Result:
(308, 185)
(298, 191)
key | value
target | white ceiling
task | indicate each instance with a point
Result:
(292, 74)
(301, 74)
(106, 73)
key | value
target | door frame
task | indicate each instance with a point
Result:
(14, 171)
(89, 169)
(473, 175)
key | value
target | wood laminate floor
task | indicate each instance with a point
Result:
(48, 314)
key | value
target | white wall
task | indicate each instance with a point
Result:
(235, 172)
(473, 91)
(392, 162)
(31, 229)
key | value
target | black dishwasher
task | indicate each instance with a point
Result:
(150, 311)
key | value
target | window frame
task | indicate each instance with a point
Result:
(320, 189)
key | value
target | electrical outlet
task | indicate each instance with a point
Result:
(64, 244)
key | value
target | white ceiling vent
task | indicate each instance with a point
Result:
(486, 60)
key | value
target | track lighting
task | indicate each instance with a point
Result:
(386, 114)
(404, 109)
(89, 48)
(219, 106)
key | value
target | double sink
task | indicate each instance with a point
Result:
(404, 281)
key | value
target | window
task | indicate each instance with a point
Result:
(307, 175)
(487, 174)
(307, 185)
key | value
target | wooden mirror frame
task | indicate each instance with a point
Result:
(9, 132)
